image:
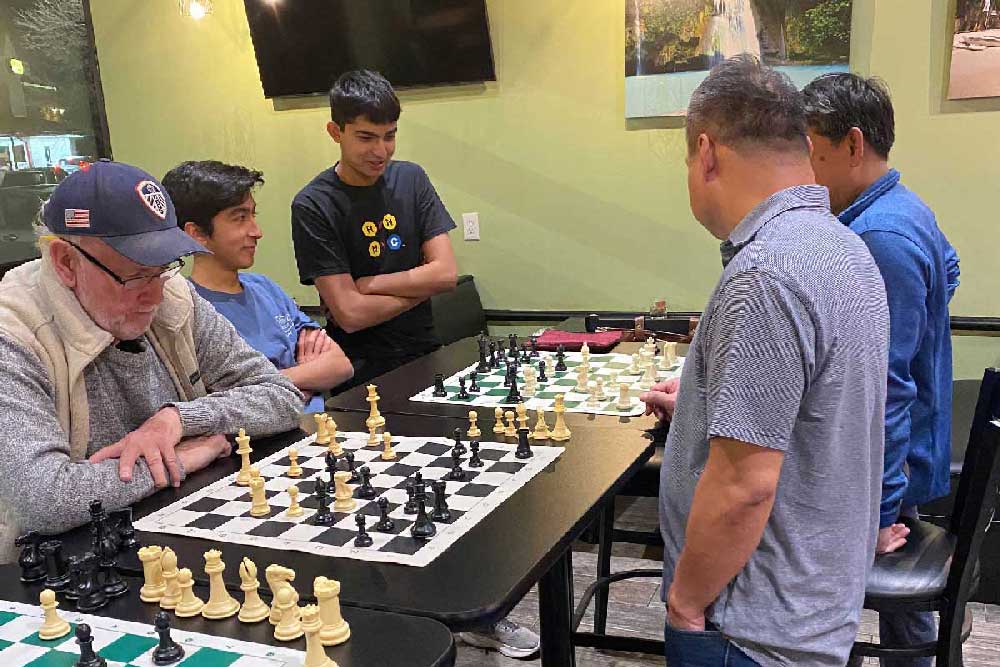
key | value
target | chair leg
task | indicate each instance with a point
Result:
(605, 541)
(949, 651)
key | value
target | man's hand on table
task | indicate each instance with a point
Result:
(198, 453)
(155, 441)
(661, 399)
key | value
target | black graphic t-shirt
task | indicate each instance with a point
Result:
(367, 231)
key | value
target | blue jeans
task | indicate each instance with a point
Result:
(708, 648)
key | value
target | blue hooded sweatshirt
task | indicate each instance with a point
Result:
(920, 271)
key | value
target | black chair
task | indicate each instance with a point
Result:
(938, 569)
(459, 313)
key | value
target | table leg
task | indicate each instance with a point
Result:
(605, 541)
(555, 611)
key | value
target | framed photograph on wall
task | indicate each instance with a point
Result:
(670, 45)
(975, 50)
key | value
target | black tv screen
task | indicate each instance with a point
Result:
(302, 46)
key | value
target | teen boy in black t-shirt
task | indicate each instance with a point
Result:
(372, 234)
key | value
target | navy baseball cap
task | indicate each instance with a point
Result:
(123, 206)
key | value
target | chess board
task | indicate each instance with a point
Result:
(493, 392)
(221, 511)
(123, 643)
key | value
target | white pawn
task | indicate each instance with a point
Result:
(648, 377)
(189, 605)
(511, 430)
(294, 469)
(581, 379)
(541, 431)
(315, 654)
(473, 431)
(53, 627)
(335, 629)
(388, 453)
(624, 400)
(599, 388)
(258, 496)
(633, 368)
(585, 354)
(592, 395)
(294, 509)
(168, 566)
(220, 603)
(290, 625)
(498, 428)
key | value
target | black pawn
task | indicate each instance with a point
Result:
(331, 464)
(423, 528)
(456, 474)
(168, 651)
(114, 585)
(542, 377)
(473, 387)
(366, 491)
(474, 460)
(363, 539)
(534, 347)
(31, 561)
(560, 359)
(513, 395)
(56, 571)
(523, 450)
(439, 389)
(410, 507)
(458, 446)
(441, 513)
(349, 457)
(463, 393)
(525, 355)
(385, 524)
(88, 658)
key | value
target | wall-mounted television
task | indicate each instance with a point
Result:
(302, 46)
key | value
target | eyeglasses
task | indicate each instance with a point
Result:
(135, 283)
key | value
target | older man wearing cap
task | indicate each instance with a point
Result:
(118, 378)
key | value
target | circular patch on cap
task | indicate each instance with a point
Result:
(154, 199)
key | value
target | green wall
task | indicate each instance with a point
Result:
(579, 209)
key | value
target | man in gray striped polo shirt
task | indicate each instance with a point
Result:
(771, 478)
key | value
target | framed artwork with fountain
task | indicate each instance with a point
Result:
(671, 44)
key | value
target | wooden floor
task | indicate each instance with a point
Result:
(635, 608)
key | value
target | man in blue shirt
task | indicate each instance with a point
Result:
(215, 205)
(851, 126)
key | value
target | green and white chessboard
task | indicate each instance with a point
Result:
(492, 392)
(124, 644)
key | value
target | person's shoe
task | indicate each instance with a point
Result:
(507, 637)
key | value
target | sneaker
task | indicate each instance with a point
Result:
(507, 637)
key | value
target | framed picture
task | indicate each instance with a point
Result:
(975, 50)
(670, 45)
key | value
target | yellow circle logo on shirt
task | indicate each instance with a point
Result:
(369, 228)
(374, 248)
(389, 221)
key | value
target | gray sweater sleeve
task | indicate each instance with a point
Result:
(245, 389)
(38, 481)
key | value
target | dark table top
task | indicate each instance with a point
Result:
(378, 639)
(396, 387)
(480, 577)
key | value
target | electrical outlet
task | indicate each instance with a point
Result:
(470, 226)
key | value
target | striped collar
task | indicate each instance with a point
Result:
(798, 196)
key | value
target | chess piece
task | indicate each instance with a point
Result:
(290, 625)
(388, 454)
(439, 390)
(335, 629)
(254, 609)
(441, 513)
(410, 506)
(474, 460)
(463, 393)
(513, 395)
(294, 469)
(669, 357)
(122, 520)
(484, 364)
(189, 604)
(363, 539)
(311, 626)
(534, 346)
(258, 496)
(525, 355)
(592, 395)
(153, 585)
(581, 379)
(244, 450)
(560, 359)
(541, 428)
(322, 435)
(599, 388)
(323, 516)
(366, 491)
(331, 428)
(624, 400)
(375, 420)
(512, 345)
(474, 387)
(473, 431)
(612, 379)
(459, 446)
(633, 368)
(423, 528)
(54, 627)
(220, 603)
(456, 473)
(278, 579)
(88, 658)
(294, 509)
(168, 569)
(523, 450)
(648, 377)
(90, 594)
(585, 353)
(349, 457)
(511, 430)
(542, 364)
(498, 428)
(522, 415)
(384, 524)
(167, 651)
(31, 561)
(560, 433)
(56, 570)
(345, 501)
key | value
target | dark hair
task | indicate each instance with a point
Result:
(837, 102)
(363, 93)
(200, 190)
(743, 104)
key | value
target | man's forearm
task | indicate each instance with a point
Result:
(368, 310)
(325, 371)
(724, 527)
(421, 282)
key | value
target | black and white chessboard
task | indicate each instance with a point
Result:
(221, 512)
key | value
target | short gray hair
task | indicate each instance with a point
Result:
(44, 236)
(746, 105)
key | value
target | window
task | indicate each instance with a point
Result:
(52, 119)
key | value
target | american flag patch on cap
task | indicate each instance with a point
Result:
(77, 217)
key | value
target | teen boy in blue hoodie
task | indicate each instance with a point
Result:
(852, 129)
